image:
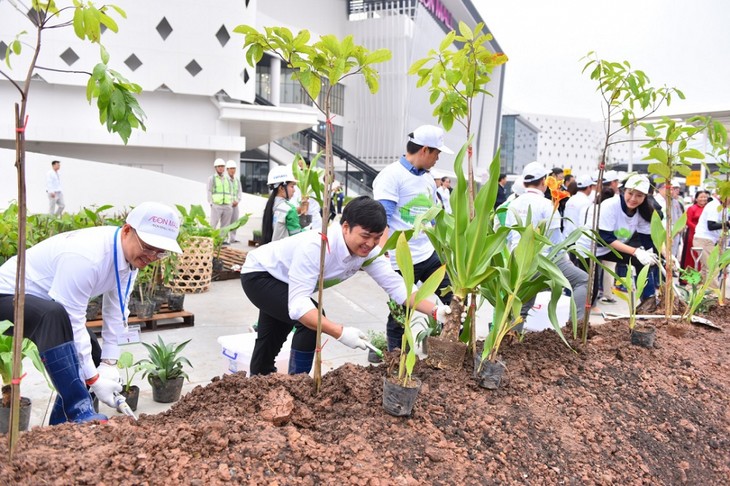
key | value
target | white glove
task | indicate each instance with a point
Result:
(353, 337)
(109, 372)
(104, 389)
(442, 313)
(646, 257)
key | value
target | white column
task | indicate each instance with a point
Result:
(275, 80)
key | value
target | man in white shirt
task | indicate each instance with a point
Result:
(406, 190)
(56, 203)
(577, 204)
(61, 274)
(707, 232)
(280, 277)
(542, 210)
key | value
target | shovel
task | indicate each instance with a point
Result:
(123, 407)
(373, 349)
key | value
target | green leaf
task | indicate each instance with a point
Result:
(405, 261)
(660, 169)
(658, 232)
(679, 225)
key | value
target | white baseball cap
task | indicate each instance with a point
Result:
(638, 182)
(156, 224)
(610, 176)
(584, 181)
(219, 162)
(231, 164)
(518, 187)
(430, 136)
(534, 171)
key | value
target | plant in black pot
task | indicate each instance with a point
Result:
(29, 350)
(377, 339)
(145, 308)
(164, 370)
(129, 391)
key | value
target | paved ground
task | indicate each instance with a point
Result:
(224, 311)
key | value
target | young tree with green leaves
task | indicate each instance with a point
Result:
(455, 78)
(627, 98)
(114, 95)
(318, 67)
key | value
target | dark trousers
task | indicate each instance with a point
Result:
(46, 323)
(271, 297)
(421, 272)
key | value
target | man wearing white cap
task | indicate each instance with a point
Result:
(577, 204)
(219, 196)
(236, 194)
(61, 274)
(406, 189)
(542, 210)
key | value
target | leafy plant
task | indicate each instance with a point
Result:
(318, 67)
(164, 362)
(126, 363)
(632, 291)
(29, 350)
(699, 294)
(378, 339)
(405, 263)
(432, 328)
(309, 177)
(194, 223)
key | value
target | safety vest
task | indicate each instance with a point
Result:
(221, 190)
(234, 187)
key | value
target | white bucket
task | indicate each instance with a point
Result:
(238, 348)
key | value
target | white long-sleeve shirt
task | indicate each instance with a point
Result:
(71, 268)
(295, 261)
(53, 181)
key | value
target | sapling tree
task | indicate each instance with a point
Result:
(455, 78)
(115, 100)
(318, 67)
(627, 98)
(720, 179)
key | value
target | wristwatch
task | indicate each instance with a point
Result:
(111, 362)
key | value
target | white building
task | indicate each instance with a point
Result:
(200, 96)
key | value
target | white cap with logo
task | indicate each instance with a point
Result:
(534, 171)
(157, 225)
(430, 136)
(638, 182)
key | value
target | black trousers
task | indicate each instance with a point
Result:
(421, 272)
(46, 323)
(271, 297)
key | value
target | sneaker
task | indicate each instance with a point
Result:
(608, 300)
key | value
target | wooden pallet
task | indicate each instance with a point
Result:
(230, 257)
(164, 319)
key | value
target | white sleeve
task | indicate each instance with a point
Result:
(303, 275)
(72, 286)
(384, 188)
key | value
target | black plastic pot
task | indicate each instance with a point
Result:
(131, 396)
(166, 392)
(399, 400)
(24, 420)
(643, 336)
(145, 309)
(373, 357)
(175, 301)
(488, 373)
(92, 310)
(217, 265)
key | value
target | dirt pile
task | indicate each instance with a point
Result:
(609, 413)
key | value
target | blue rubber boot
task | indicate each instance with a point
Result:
(300, 361)
(73, 403)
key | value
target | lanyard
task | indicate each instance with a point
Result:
(119, 282)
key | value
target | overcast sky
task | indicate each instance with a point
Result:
(683, 44)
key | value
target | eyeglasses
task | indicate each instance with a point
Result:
(150, 250)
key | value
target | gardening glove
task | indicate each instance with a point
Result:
(353, 337)
(441, 313)
(109, 372)
(104, 389)
(646, 257)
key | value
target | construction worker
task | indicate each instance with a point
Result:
(280, 218)
(236, 194)
(61, 274)
(219, 196)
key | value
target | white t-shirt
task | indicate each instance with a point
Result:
(711, 212)
(71, 268)
(53, 181)
(413, 195)
(614, 219)
(574, 209)
(540, 208)
(444, 196)
(295, 261)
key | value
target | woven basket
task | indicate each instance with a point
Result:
(195, 266)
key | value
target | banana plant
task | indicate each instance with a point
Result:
(309, 177)
(408, 345)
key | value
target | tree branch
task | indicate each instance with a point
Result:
(17, 86)
(64, 70)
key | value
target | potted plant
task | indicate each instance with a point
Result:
(164, 370)
(129, 391)
(431, 328)
(145, 291)
(400, 392)
(258, 238)
(29, 350)
(378, 340)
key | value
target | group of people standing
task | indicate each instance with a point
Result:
(224, 194)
